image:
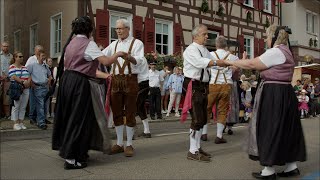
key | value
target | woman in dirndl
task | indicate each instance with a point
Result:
(80, 123)
(275, 131)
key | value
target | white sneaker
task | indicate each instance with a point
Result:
(22, 126)
(177, 115)
(163, 112)
(17, 127)
(167, 115)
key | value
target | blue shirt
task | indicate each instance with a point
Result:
(176, 83)
(40, 73)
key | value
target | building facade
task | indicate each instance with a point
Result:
(163, 25)
(303, 18)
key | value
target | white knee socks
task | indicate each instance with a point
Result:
(193, 141)
(291, 166)
(198, 137)
(267, 171)
(220, 128)
(146, 126)
(119, 131)
(130, 132)
(205, 129)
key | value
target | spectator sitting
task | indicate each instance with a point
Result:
(298, 87)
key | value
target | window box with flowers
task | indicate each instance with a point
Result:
(161, 60)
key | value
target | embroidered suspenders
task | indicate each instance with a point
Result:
(126, 63)
(224, 76)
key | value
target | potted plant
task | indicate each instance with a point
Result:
(204, 6)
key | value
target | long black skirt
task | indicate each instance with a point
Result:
(280, 136)
(75, 121)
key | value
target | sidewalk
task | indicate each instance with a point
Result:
(32, 131)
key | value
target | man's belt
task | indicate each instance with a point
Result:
(37, 84)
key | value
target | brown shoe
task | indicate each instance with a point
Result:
(219, 140)
(201, 151)
(128, 152)
(204, 137)
(116, 149)
(198, 157)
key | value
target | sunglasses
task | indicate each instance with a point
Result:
(20, 56)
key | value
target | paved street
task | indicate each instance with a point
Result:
(28, 155)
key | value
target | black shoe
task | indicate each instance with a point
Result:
(33, 122)
(219, 140)
(295, 172)
(153, 118)
(69, 166)
(159, 117)
(259, 176)
(146, 135)
(230, 132)
(48, 122)
(43, 127)
(204, 137)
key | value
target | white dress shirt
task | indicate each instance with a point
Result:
(194, 63)
(137, 52)
(227, 71)
(31, 60)
(155, 78)
(144, 71)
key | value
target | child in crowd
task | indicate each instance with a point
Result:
(303, 103)
(246, 99)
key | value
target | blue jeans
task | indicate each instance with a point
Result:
(39, 93)
(32, 105)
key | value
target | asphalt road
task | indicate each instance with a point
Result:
(28, 155)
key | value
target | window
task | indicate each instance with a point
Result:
(248, 3)
(17, 40)
(164, 40)
(55, 43)
(33, 37)
(114, 16)
(212, 35)
(248, 46)
(311, 22)
(267, 6)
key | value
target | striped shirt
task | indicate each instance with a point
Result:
(21, 73)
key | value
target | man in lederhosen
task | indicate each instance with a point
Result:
(220, 88)
(197, 60)
(124, 85)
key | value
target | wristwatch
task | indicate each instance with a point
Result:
(215, 63)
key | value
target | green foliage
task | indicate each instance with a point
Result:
(315, 42)
(176, 59)
(267, 24)
(249, 16)
(204, 6)
(220, 11)
(310, 42)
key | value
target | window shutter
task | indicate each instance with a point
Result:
(256, 4)
(260, 4)
(261, 46)
(149, 35)
(240, 1)
(241, 45)
(273, 6)
(256, 47)
(102, 27)
(177, 38)
(137, 27)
